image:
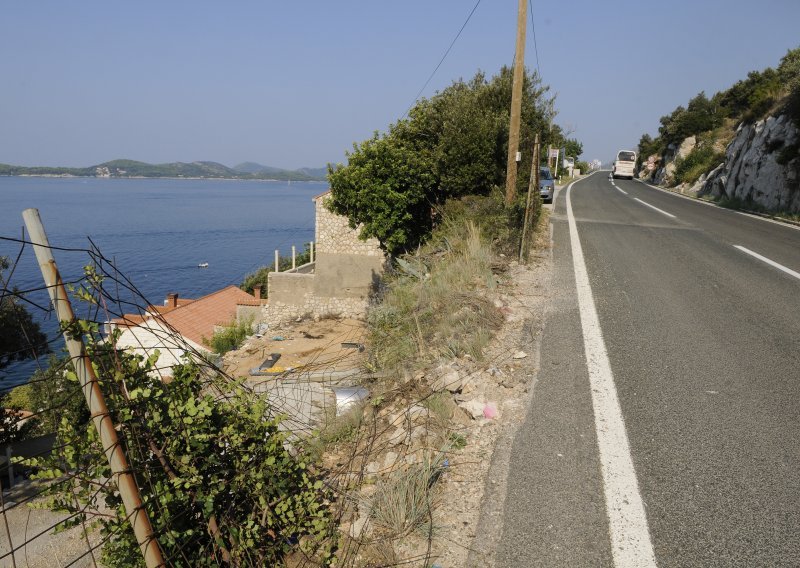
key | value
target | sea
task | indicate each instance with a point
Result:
(156, 232)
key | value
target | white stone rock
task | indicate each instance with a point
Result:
(473, 407)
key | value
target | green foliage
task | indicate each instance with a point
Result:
(788, 153)
(699, 161)
(20, 336)
(51, 392)
(573, 148)
(385, 187)
(201, 460)
(746, 101)
(789, 73)
(230, 337)
(451, 145)
(260, 277)
(433, 306)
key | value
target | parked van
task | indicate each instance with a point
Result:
(624, 165)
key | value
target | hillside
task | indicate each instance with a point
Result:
(203, 169)
(740, 147)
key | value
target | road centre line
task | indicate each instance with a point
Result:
(630, 536)
(622, 190)
(654, 207)
(772, 263)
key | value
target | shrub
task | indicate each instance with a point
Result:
(451, 145)
(201, 461)
(701, 160)
(230, 337)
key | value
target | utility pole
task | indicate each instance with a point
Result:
(533, 185)
(516, 105)
(122, 474)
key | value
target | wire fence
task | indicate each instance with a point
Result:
(354, 427)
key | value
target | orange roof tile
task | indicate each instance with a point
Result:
(196, 320)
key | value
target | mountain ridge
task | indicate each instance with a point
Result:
(125, 168)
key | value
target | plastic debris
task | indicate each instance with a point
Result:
(278, 338)
(490, 410)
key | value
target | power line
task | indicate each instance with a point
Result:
(535, 47)
(464, 25)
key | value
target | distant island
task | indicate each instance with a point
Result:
(134, 169)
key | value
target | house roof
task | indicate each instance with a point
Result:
(320, 195)
(196, 320)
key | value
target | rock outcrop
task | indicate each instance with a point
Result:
(757, 168)
(665, 174)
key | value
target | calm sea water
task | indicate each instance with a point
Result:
(156, 231)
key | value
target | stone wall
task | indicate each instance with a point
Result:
(334, 235)
(345, 273)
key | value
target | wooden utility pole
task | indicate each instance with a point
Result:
(122, 474)
(516, 104)
(533, 185)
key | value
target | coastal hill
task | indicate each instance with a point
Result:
(134, 169)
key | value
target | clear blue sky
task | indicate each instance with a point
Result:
(294, 84)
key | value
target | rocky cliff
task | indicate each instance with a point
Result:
(761, 167)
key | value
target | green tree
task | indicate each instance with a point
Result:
(386, 187)
(451, 145)
(202, 460)
(20, 336)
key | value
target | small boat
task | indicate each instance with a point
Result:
(202, 265)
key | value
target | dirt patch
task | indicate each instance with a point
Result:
(329, 344)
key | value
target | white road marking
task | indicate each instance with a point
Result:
(630, 536)
(788, 271)
(712, 204)
(654, 207)
(623, 191)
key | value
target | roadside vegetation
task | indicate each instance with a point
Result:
(450, 146)
(222, 482)
(713, 120)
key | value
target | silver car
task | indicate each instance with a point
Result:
(547, 185)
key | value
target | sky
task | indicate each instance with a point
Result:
(295, 84)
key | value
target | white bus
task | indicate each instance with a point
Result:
(624, 165)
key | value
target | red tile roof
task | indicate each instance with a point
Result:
(196, 320)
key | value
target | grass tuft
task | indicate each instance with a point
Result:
(404, 501)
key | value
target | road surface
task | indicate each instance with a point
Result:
(692, 389)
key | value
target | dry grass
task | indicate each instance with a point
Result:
(404, 501)
(436, 308)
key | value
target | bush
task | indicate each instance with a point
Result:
(201, 461)
(701, 160)
(451, 145)
(230, 337)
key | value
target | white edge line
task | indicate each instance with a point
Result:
(622, 190)
(788, 271)
(712, 204)
(654, 207)
(630, 536)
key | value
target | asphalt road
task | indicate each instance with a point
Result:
(703, 340)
